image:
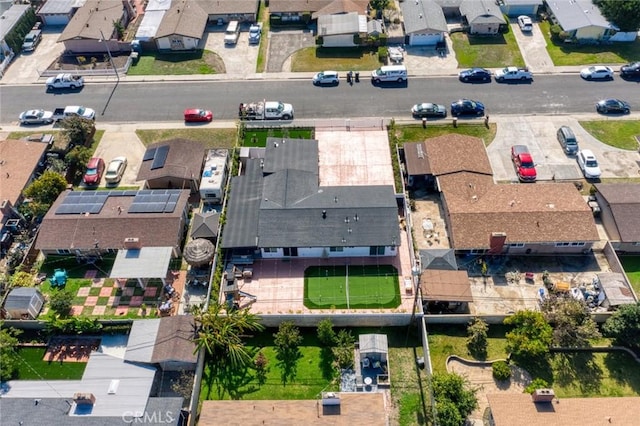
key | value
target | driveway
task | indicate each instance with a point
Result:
(239, 59)
(283, 44)
(26, 68)
(533, 47)
(121, 142)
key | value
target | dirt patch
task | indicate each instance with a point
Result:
(78, 63)
(66, 349)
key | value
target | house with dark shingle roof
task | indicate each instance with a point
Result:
(182, 26)
(294, 11)
(278, 207)
(172, 164)
(424, 22)
(620, 213)
(227, 10)
(482, 16)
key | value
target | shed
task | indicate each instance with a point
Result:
(616, 289)
(374, 346)
(23, 303)
(205, 225)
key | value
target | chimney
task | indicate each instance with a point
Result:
(543, 395)
(132, 243)
(496, 242)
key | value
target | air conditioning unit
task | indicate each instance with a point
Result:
(543, 395)
(84, 398)
(132, 243)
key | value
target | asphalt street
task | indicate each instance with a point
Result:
(165, 101)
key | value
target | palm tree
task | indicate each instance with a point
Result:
(220, 331)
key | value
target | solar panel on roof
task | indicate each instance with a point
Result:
(170, 207)
(149, 154)
(173, 198)
(160, 157)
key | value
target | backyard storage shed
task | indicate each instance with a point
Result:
(374, 346)
(23, 303)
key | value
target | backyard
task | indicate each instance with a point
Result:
(631, 265)
(32, 366)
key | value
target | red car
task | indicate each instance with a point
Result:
(197, 115)
(523, 162)
(95, 169)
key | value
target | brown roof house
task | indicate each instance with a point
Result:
(302, 11)
(91, 29)
(174, 163)
(18, 162)
(88, 223)
(166, 341)
(182, 26)
(620, 212)
(227, 10)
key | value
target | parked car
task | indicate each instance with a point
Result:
(197, 115)
(467, 107)
(36, 116)
(597, 72)
(31, 40)
(567, 140)
(523, 163)
(95, 169)
(588, 164)
(115, 170)
(630, 71)
(474, 75)
(613, 106)
(326, 78)
(428, 109)
(254, 34)
(525, 23)
(232, 33)
(396, 54)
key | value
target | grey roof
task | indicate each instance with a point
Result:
(185, 18)
(20, 298)
(53, 411)
(421, 16)
(616, 289)
(438, 259)
(298, 154)
(219, 7)
(142, 340)
(174, 341)
(522, 2)
(374, 26)
(205, 225)
(624, 202)
(376, 343)
(481, 11)
(57, 7)
(576, 14)
(92, 18)
(346, 23)
(11, 17)
(241, 227)
(146, 262)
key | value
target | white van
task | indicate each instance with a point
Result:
(232, 33)
(390, 73)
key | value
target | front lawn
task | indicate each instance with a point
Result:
(415, 133)
(258, 137)
(631, 265)
(486, 51)
(32, 366)
(335, 58)
(618, 133)
(587, 54)
(199, 62)
(211, 138)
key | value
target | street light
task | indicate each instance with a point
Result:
(106, 43)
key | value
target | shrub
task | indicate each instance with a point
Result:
(501, 370)
(383, 52)
(537, 383)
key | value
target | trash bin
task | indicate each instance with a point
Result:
(349, 76)
(357, 77)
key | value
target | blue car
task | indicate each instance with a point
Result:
(467, 107)
(475, 75)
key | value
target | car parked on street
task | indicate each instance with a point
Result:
(115, 170)
(467, 107)
(326, 78)
(95, 169)
(255, 31)
(428, 109)
(597, 72)
(197, 115)
(630, 71)
(613, 106)
(523, 163)
(525, 23)
(475, 75)
(588, 164)
(36, 116)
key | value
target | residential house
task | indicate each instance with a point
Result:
(424, 22)
(509, 409)
(515, 8)
(92, 28)
(10, 18)
(278, 208)
(483, 16)
(303, 11)
(584, 22)
(343, 30)
(230, 10)
(619, 206)
(23, 303)
(58, 12)
(19, 162)
(174, 163)
(88, 223)
(339, 7)
(182, 26)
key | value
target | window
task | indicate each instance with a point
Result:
(270, 250)
(577, 244)
(63, 251)
(336, 249)
(562, 244)
(637, 244)
(516, 245)
(376, 251)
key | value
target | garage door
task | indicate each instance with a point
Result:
(425, 39)
(343, 40)
(55, 20)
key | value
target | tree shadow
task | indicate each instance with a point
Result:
(536, 367)
(326, 363)
(578, 368)
(288, 364)
(623, 369)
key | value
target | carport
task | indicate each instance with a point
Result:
(445, 291)
(142, 264)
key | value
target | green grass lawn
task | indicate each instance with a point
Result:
(334, 58)
(618, 133)
(199, 62)
(415, 133)
(486, 51)
(32, 367)
(631, 265)
(576, 54)
(369, 287)
(258, 137)
(211, 138)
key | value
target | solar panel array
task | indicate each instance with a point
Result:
(145, 201)
(155, 201)
(160, 157)
(149, 154)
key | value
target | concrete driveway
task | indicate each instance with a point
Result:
(122, 142)
(539, 134)
(26, 67)
(533, 47)
(282, 44)
(239, 59)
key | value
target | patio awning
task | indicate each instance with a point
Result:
(199, 252)
(445, 286)
(147, 262)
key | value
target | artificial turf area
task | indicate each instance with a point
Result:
(369, 287)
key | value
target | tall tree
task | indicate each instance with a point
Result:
(571, 321)
(625, 14)
(61, 302)
(624, 326)
(326, 334)
(455, 399)
(287, 340)
(530, 336)
(42, 192)
(477, 338)
(9, 358)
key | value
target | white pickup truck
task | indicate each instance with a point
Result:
(265, 110)
(65, 81)
(513, 73)
(73, 111)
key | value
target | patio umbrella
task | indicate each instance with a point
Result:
(199, 252)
